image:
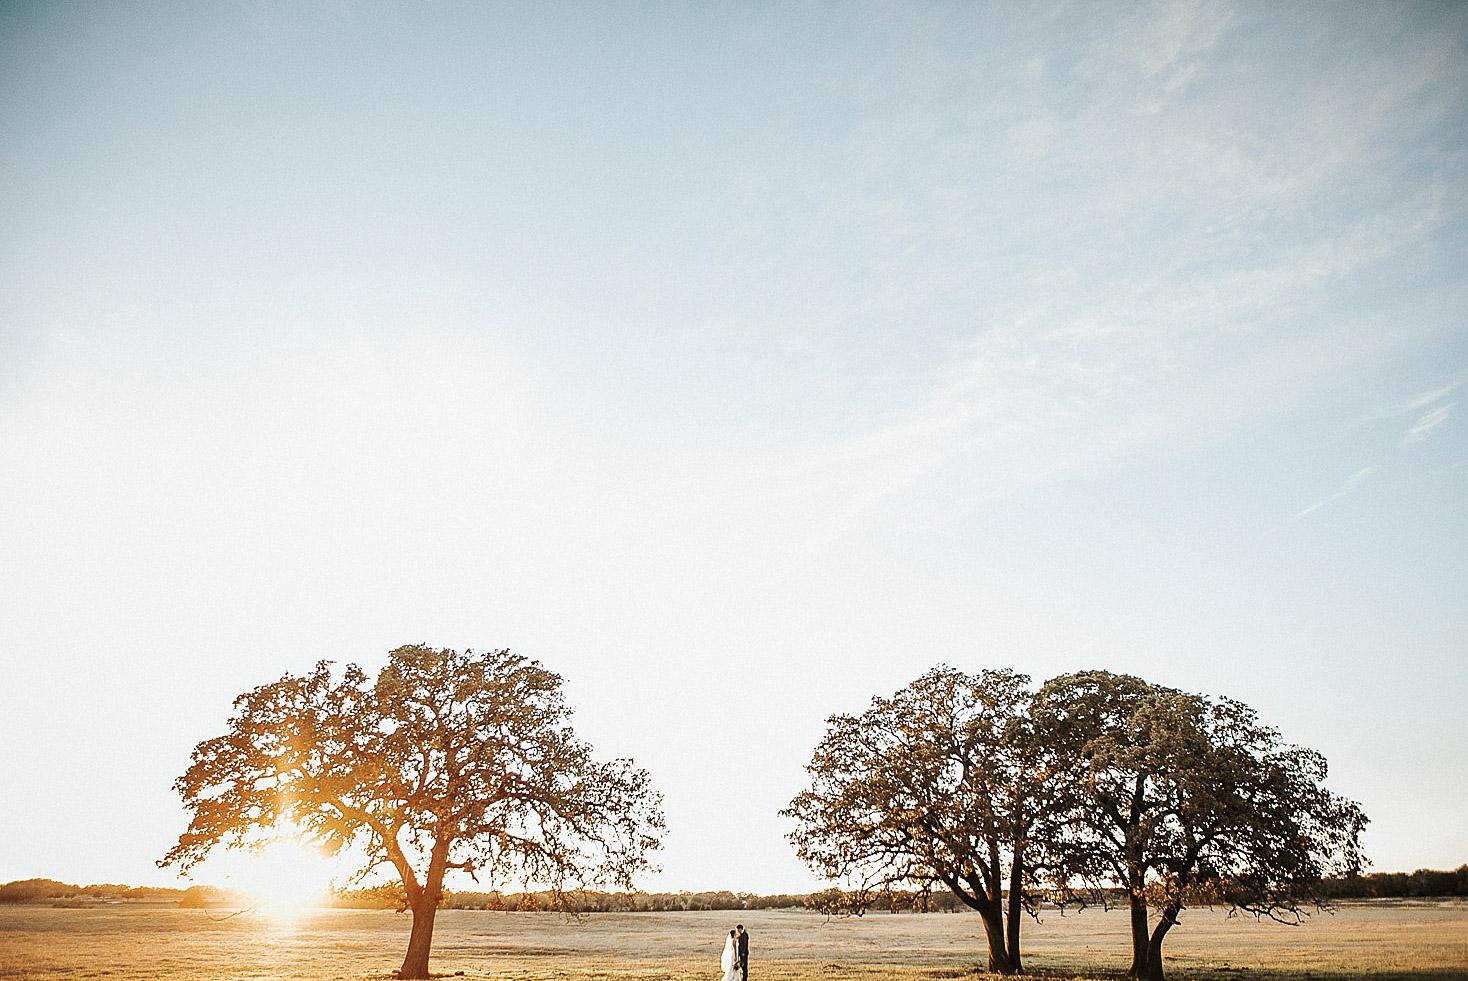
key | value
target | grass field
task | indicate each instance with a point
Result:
(1377, 940)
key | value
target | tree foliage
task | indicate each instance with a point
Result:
(447, 761)
(1177, 795)
(939, 783)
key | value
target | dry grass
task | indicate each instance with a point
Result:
(1380, 941)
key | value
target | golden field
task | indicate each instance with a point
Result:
(1380, 939)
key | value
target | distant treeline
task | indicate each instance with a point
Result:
(1400, 885)
(1424, 883)
(33, 890)
(590, 901)
(618, 902)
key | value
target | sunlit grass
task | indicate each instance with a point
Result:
(1376, 942)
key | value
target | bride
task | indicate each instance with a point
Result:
(730, 961)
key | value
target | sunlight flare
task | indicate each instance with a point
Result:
(285, 876)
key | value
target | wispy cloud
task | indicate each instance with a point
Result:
(1428, 423)
(1418, 402)
(1063, 382)
(1352, 482)
(1428, 398)
(1186, 279)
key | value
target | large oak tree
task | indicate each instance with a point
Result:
(447, 761)
(939, 782)
(1174, 795)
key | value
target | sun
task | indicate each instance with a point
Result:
(285, 875)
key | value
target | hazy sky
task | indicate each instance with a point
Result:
(738, 361)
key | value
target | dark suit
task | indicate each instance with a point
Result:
(741, 947)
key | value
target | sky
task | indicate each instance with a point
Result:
(739, 362)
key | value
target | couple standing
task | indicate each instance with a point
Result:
(735, 961)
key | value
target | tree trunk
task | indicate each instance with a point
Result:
(424, 904)
(1140, 943)
(420, 941)
(993, 917)
(1016, 904)
(1154, 946)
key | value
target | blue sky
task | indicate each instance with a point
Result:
(738, 361)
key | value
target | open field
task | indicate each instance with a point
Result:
(1380, 940)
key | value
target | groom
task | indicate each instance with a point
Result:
(741, 947)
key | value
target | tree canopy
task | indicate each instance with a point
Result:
(937, 783)
(1179, 795)
(447, 761)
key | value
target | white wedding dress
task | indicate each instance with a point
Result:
(729, 962)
